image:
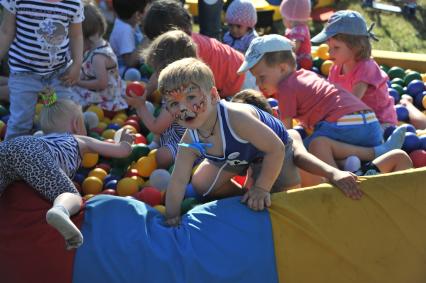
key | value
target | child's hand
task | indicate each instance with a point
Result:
(257, 198)
(135, 101)
(347, 182)
(71, 75)
(173, 222)
(127, 136)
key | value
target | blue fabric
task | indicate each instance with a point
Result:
(126, 241)
(367, 135)
(236, 151)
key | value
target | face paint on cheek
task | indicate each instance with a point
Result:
(201, 106)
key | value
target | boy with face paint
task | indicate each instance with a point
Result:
(230, 136)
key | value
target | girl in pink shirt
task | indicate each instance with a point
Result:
(353, 68)
(295, 15)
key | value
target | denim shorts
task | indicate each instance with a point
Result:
(362, 129)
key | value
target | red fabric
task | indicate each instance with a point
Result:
(31, 250)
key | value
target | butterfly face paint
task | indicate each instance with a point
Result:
(186, 102)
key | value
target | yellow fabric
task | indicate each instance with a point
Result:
(322, 236)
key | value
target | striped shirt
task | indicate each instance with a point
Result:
(41, 43)
(64, 150)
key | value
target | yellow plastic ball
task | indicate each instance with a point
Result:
(130, 128)
(127, 186)
(92, 185)
(102, 125)
(119, 121)
(326, 66)
(106, 120)
(314, 53)
(90, 160)
(424, 101)
(161, 209)
(424, 77)
(121, 116)
(138, 180)
(145, 165)
(97, 110)
(88, 196)
(153, 153)
(108, 134)
(99, 173)
(322, 51)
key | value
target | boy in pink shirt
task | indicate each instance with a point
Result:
(320, 106)
(354, 70)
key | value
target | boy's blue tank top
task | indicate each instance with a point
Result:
(238, 151)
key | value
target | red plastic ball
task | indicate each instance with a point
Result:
(135, 89)
(418, 157)
(150, 195)
(139, 138)
(109, 192)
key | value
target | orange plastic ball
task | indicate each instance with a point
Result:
(90, 160)
(127, 187)
(92, 185)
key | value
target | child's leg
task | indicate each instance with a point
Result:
(395, 160)
(164, 157)
(23, 98)
(211, 177)
(417, 117)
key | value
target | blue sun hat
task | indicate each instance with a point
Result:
(346, 22)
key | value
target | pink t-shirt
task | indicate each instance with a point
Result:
(376, 96)
(223, 60)
(311, 99)
(302, 34)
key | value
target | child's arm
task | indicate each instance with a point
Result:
(100, 63)
(7, 31)
(180, 177)
(344, 180)
(359, 89)
(297, 44)
(132, 59)
(115, 150)
(72, 75)
(157, 125)
(248, 127)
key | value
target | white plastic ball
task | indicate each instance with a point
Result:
(160, 179)
(38, 133)
(150, 106)
(91, 119)
(352, 163)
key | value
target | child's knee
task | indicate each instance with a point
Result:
(164, 158)
(318, 144)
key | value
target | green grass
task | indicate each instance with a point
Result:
(396, 32)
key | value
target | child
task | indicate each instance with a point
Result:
(296, 14)
(100, 82)
(230, 135)
(317, 104)
(126, 37)
(354, 70)
(41, 35)
(241, 17)
(164, 15)
(165, 49)
(47, 163)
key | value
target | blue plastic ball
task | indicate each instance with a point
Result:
(114, 126)
(316, 70)
(132, 74)
(402, 113)
(190, 192)
(110, 177)
(415, 87)
(409, 128)
(418, 101)
(5, 118)
(79, 178)
(411, 142)
(395, 94)
(388, 131)
(112, 184)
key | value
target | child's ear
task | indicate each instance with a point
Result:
(78, 126)
(284, 68)
(215, 94)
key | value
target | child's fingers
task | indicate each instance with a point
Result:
(245, 197)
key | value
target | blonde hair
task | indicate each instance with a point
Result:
(58, 116)
(279, 57)
(253, 97)
(359, 44)
(183, 72)
(169, 47)
(94, 22)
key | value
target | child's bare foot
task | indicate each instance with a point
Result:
(58, 217)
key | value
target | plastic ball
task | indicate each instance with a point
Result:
(105, 166)
(140, 139)
(188, 204)
(150, 107)
(398, 88)
(424, 101)
(132, 74)
(322, 51)
(418, 157)
(90, 160)
(109, 192)
(411, 142)
(418, 101)
(161, 209)
(388, 131)
(91, 119)
(190, 192)
(114, 126)
(88, 196)
(160, 179)
(396, 72)
(108, 134)
(98, 172)
(398, 81)
(79, 178)
(326, 66)
(112, 184)
(352, 163)
(411, 76)
(38, 133)
(135, 89)
(127, 186)
(305, 63)
(415, 87)
(423, 142)
(402, 113)
(150, 195)
(272, 102)
(138, 151)
(5, 118)
(145, 165)
(96, 109)
(3, 111)
(395, 94)
(409, 128)
(92, 185)
(133, 123)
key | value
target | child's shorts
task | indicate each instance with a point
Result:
(362, 129)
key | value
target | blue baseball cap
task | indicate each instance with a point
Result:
(346, 22)
(261, 45)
